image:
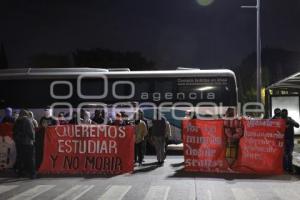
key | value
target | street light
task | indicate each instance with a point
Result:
(258, 49)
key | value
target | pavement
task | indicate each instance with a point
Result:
(151, 182)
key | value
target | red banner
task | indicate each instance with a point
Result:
(88, 149)
(7, 146)
(234, 146)
(261, 147)
(6, 129)
(204, 147)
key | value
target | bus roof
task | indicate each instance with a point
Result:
(46, 73)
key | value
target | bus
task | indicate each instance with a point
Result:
(208, 93)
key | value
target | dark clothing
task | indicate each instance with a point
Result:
(23, 131)
(289, 132)
(39, 146)
(119, 123)
(24, 137)
(146, 138)
(98, 120)
(25, 159)
(139, 152)
(62, 122)
(74, 121)
(110, 122)
(288, 156)
(159, 138)
(289, 143)
(8, 119)
(159, 128)
(159, 145)
(50, 121)
(276, 117)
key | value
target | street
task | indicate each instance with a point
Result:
(152, 182)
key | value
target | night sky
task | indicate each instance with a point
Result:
(169, 32)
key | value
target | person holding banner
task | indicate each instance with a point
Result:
(45, 121)
(61, 119)
(233, 129)
(48, 119)
(277, 113)
(288, 141)
(24, 137)
(75, 119)
(87, 118)
(98, 117)
(119, 120)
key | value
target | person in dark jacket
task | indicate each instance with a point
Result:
(277, 113)
(8, 118)
(98, 117)
(75, 120)
(159, 138)
(24, 137)
(288, 140)
(48, 119)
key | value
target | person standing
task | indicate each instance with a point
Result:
(288, 140)
(47, 119)
(98, 117)
(61, 119)
(119, 120)
(140, 133)
(146, 138)
(75, 119)
(33, 120)
(233, 129)
(168, 136)
(159, 140)
(24, 137)
(8, 117)
(87, 117)
(277, 113)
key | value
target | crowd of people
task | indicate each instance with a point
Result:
(28, 134)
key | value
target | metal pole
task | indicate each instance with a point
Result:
(258, 50)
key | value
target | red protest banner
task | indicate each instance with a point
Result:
(7, 146)
(88, 149)
(234, 146)
(6, 129)
(261, 147)
(204, 146)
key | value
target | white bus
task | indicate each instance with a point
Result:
(211, 92)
